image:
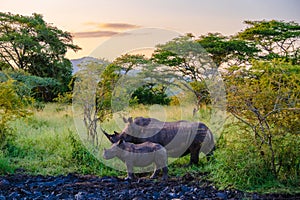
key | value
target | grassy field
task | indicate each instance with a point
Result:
(47, 143)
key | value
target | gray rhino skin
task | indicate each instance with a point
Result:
(179, 138)
(139, 155)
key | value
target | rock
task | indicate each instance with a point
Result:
(26, 192)
(80, 196)
(139, 198)
(172, 195)
(14, 195)
(4, 182)
(82, 187)
(221, 195)
(109, 180)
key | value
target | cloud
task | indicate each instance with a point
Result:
(113, 26)
(106, 29)
(94, 34)
(119, 26)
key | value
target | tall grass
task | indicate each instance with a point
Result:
(238, 163)
(47, 143)
(41, 142)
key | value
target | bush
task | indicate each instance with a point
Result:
(12, 108)
(87, 162)
(239, 163)
(265, 101)
(151, 94)
(5, 166)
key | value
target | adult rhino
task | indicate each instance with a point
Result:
(179, 138)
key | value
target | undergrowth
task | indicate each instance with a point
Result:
(47, 143)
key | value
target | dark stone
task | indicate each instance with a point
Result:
(14, 195)
(221, 195)
(4, 182)
(83, 187)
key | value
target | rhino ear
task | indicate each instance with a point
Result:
(130, 120)
(125, 120)
(116, 133)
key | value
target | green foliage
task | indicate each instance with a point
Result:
(5, 166)
(223, 49)
(148, 93)
(109, 78)
(265, 100)
(47, 144)
(31, 44)
(88, 163)
(200, 88)
(151, 94)
(276, 39)
(65, 98)
(128, 62)
(41, 89)
(38, 105)
(238, 163)
(184, 56)
(11, 108)
(188, 61)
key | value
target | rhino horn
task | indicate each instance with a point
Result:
(108, 135)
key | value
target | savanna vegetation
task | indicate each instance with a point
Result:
(257, 149)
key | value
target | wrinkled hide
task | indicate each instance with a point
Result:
(139, 155)
(179, 138)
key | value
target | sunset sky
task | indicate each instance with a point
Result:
(94, 21)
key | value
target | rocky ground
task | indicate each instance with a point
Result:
(73, 186)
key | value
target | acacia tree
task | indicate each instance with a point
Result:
(276, 39)
(31, 44)
(188, 60)
(228, 50)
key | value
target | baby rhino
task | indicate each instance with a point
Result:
(139, 155)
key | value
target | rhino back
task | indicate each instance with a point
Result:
(181, 132)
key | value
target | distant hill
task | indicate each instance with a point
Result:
(77, 62)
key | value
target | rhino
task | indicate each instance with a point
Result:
(180, 138)
(139, 155)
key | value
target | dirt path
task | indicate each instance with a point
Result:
(81, 187)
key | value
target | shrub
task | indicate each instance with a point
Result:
(239, 163)
(5, 166)
(87, 162)
(12, 108)
(265, 101)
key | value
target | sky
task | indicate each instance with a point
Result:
(93, 22)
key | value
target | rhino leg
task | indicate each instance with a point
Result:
(165, 173)
(155, 173)
(130, 174)
(195, 150)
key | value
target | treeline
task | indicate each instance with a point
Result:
(260, 68)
